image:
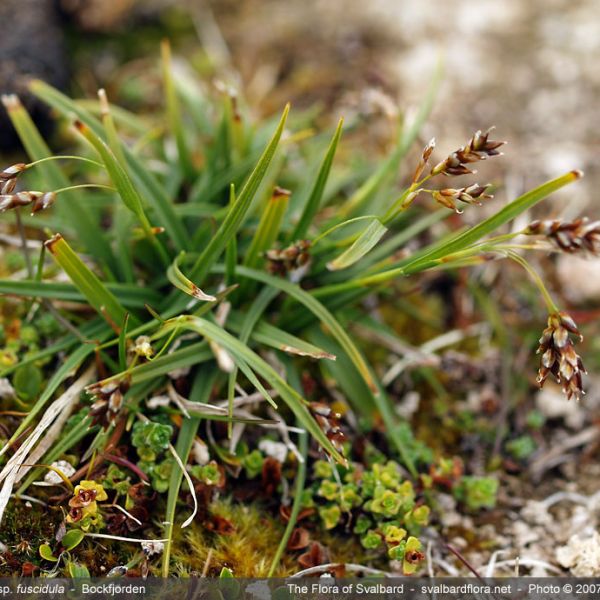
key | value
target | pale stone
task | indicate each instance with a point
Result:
(581, 555)
(579, 277)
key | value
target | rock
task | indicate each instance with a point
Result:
(97, 15)
(536, 513)
(553, 404)
(53, 478)
(7, 391)
(581, 555)
(524, 535)
(276, 450)
(31, 46)
(579, 277)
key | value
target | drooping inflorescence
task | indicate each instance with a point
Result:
(37, 200)
(8, 177)
(559, 357)
(10, 200)
(580, 235)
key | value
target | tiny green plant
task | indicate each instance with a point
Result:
(184, 285)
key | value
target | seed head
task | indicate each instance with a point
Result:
(558, 355)
(423, 160)
(478, 148)
(37, 200)
(472, 194)
(43, 202)
(576, 236)
(8, 177)
(329, 422)
(290, 259)
(109, 401)
(142, 347)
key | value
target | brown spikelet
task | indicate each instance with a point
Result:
(472, 194)
(292, 258)
(8, 178)
(37, 200)
(578, 236)
(329, 422)
(43, 202)
(558, 356)
(425, 155)
(109, 401)
(12, 172)
(478, 148)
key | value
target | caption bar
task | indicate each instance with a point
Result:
(304, 589)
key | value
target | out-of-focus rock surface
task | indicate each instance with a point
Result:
(530, 68)
(31, 45)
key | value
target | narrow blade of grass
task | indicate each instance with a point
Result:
(314, 200)
(322, 314)
(96, 293)
(194, 354)
(200, 392)
(236, 214)
(174, 112)
(295, 402)
(181, 282)
(268, 228)
(274, 337)
(503, 216)
(264, 298)
(153, 191)
(131, 296)
(365, 242)
(296, 504)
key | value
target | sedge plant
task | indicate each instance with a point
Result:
(195, 275)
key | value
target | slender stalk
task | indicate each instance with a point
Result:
(23, 237)
(85, 185)
(65, 157)
(552, 308)
(297, 504)
(339, 225)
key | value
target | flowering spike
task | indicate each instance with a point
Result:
(478, 148)
(579, 235)
(425, 155)
(472, 194)
(559, 357)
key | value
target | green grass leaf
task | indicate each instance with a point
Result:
(365, 242)
(174, 112)
(503, 216)
(268, 228)
(295, 402)
(322, 314)
(153, 191)
(200, 392)
(314, 200)
(96, 293)
(269, 335)
(238, 211)
(128, 295)
(181, 282)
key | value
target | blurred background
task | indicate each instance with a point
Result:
(529, 68)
